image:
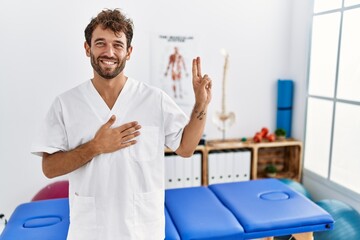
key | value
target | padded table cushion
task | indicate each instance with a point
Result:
(270, 208)
(170, 229)
(261, 207)
(198, 214)
(48, 219)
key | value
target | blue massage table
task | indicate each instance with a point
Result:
(241, 210)
(48, 219)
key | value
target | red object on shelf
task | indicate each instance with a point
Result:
(258, 137)
(264, 132)
(271, 137)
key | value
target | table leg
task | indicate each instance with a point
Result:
(304, 236)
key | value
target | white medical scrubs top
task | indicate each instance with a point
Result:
(117, 195)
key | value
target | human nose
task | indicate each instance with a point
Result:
(109, 51)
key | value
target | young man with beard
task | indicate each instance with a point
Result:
(108, 135)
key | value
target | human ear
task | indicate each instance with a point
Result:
(87, 49)
(128, 53)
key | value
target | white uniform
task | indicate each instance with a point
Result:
(118, 195)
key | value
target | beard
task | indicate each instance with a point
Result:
(107, 72)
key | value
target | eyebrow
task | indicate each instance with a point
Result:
(99, 39)
(119, 42)
(103, 39)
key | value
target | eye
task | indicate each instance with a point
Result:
(99, 44)
(118, 45)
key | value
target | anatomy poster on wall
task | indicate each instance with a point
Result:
(171, 61)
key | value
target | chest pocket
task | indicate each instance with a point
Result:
(147, 146)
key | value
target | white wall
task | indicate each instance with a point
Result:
(255, 33)
(41, 55)
(298, 66)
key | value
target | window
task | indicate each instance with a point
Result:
(326, 5)
(318, 136)
(345, 164)
(351, 2)
(333, 101)
(349, 69)
(325, 41)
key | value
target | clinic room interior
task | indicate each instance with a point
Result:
(256, 52)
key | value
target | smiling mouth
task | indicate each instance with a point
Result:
(108, 62)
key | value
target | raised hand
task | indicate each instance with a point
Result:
(109, 139)
(201, 84)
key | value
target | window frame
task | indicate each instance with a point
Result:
(327, 181)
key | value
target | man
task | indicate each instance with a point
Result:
(108, 135)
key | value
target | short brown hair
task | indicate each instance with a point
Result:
(114, 20)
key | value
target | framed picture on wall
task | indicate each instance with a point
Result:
(171, 64)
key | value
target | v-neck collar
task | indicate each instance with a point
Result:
(99, 106)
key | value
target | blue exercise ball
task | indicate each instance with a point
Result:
(347, 221)
(297, 187)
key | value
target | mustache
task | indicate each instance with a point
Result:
(108, 59)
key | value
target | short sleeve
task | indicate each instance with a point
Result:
(52, 136)
(175, 121)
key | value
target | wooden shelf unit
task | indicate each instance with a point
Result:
(199, 149)
(216, 145)
(285, 154)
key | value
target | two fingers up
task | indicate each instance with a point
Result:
(202, 84)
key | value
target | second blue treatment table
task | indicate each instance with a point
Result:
(228, 211)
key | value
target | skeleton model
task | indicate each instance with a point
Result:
(223, 120)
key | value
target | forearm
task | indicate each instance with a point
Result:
(61, 163)
(106, 140)
(193, 131)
